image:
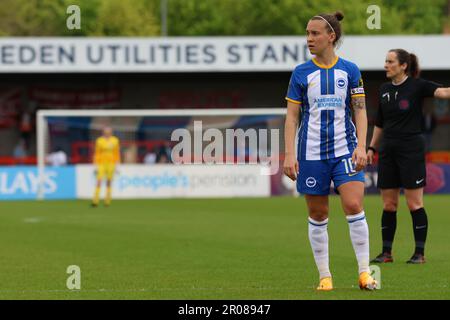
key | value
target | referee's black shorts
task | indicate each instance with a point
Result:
(401, 163)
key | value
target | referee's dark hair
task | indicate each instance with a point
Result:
(410, 59)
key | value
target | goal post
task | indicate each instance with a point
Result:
(44, 134)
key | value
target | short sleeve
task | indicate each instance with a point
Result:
(379, 118)
(356, 82)
(428, 88)
(294, 93)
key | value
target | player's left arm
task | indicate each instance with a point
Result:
(117, 152)
(359, 156)
(442, 93)
(358, 102)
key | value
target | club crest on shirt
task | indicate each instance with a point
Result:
(341, 83)
(403, 104)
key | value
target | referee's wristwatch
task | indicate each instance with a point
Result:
(373, 149)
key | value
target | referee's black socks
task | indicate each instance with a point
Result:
(388, 226)
(420, 225)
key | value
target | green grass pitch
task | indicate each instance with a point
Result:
(206, 249)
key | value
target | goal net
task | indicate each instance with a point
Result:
(153, 137)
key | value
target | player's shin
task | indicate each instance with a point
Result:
(420, 225)
(388, 227)
(359, 234)
(95, 200)
(318, 237)
(108, 195)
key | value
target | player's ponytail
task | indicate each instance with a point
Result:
(413, 65)
(403, 56)
(339, 15)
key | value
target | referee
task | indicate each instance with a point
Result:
(398, 137)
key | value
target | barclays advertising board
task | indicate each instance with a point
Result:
(21, 183)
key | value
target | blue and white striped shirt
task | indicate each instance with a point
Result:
(324, 93)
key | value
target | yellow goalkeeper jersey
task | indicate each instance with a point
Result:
(107, 150)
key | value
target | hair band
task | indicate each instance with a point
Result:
(325, 21)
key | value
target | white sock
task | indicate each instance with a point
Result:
(318, 237)
(359, 233)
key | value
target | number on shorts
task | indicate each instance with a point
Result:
(348, 166)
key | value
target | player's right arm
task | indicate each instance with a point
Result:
(290, 166)
(97, 152)
(442, 93)
(294, 103)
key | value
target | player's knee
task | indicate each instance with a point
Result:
(414, 204)
(319, 216)
(353, 207)
(390, 205)
(318, 210)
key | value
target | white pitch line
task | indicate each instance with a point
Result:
(307, 289)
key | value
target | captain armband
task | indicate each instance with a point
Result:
(359, 90)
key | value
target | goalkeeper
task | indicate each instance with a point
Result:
(106, 157)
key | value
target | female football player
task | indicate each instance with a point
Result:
(330, 148)
(106, 157)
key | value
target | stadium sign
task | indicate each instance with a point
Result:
(203, 54)
(179, 181)
(167, 181)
